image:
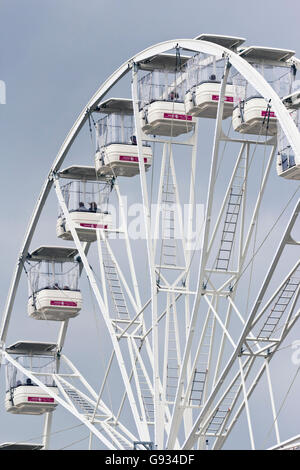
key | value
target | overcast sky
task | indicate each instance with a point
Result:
(54, 54)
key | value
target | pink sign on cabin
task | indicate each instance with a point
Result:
(41, 399)
(63, 303)
(180, 117)
(229, 99)
(93, 225)
(126, 158)
(268, 113)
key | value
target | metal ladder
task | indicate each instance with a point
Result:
(197, 389)
(229, 230)
(114, 283)
(282, 302)
(217, 423)
(169, 244)
(80, 402)
(220, 415)
(147, 397)
(127, 445)
(231, 217)
(173, 364)
(200, 372)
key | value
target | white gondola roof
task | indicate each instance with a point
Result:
(116, 105)
(20, 446)
(53, 253)
(163, 62)
(230, 42)
(292, 101)
(81, 172)
(266, 53)
(31, 347)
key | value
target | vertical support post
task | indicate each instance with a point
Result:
(47, 430)
(177, 410)
(246, 404)
(158, 406)
(166, 350)
(272, 400)
(140, 426)
(90, 441)
(188, 415)
(102, 273)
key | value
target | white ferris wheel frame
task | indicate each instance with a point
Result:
(119, 438)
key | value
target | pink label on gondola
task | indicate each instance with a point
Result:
(268, 113)
(126, 158)
(41, 399)
(229, 99)
(63, 303)
(180, 117)
(93, 225)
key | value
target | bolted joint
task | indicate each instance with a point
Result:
(135, 66)
(53, 175)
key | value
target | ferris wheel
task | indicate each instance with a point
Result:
(184, 223)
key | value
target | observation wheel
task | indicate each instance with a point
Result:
(181, 230)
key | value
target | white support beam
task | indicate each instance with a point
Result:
(246, 404)
(272, 400)
(158, 405)
(58, 399)
(140, 426)
(177, 411)
(220, 322)
(284, 241)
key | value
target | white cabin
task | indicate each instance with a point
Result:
(162, 107)
(287, 163)
(53, 284)
(121, 160)
(166, 119)
(116, 146)
(254, 116)
(85, 224)
(87, 198)
(204, 75)
(23, 396)
(253, 113)
(29, 400)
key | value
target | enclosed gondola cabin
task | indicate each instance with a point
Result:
(288, 163)
(253, 114)
(23, 395)
(53, 284)
(292, 101)
(87, 197)
(116, 144)
(161, 97)
(204, 76)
